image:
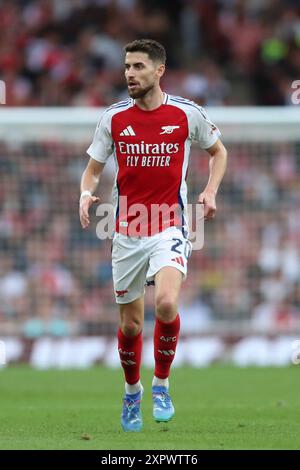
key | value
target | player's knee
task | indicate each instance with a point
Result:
(131, 327)
(166, 308)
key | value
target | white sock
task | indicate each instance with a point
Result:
(161, 382)
(132, 389)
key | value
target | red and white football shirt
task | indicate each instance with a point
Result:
(151, 151)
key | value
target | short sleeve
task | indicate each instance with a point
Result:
(102, 146)
(202, 130)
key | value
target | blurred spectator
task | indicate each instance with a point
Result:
(69, 52)
(55, 277)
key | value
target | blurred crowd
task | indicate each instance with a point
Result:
(69, 52)
(55, 277)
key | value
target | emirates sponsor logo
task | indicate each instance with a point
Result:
(143, 148)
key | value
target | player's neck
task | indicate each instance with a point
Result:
(154, 99)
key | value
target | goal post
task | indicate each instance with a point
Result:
(236, 123)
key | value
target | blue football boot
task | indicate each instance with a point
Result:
(131, 418)
(163, 409)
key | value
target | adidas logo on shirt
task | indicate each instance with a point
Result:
(127, 131)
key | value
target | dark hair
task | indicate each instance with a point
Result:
(154, 49)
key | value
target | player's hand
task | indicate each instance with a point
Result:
(208, 199)
(84, 206)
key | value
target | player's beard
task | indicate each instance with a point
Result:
(141, 93)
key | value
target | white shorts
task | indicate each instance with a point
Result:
(135, 261)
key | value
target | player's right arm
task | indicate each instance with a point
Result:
(89, 182)
(99, 151)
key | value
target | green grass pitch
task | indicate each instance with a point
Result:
(220, 407)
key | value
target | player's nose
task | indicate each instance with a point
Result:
(130, 76)
(130, 72)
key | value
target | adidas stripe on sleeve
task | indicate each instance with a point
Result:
(205, 131)
(201, 129)
(102, 146)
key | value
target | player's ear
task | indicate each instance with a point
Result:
(161, 70)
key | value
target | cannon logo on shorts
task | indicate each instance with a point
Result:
(121, 293)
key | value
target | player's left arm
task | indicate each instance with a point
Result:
(217, 166)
